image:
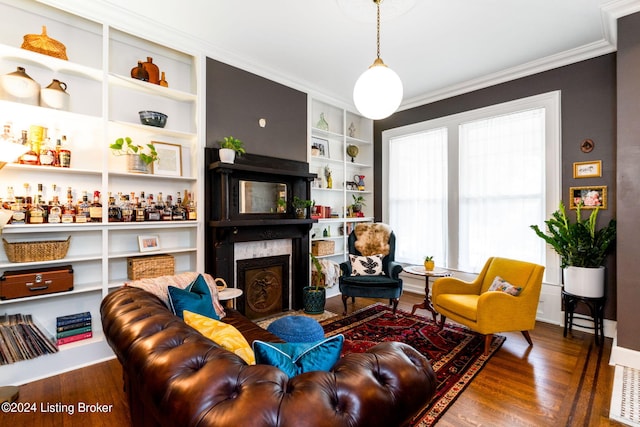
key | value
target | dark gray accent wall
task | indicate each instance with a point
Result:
(237, 99)
(588, 97)
(628, 242)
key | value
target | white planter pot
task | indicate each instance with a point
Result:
(586, 282)
(227, 155)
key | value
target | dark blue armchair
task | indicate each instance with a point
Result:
(388, 285)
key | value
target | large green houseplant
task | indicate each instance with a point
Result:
(580, 244)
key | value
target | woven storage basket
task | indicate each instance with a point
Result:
(44, 44)
(323, 247)
(36, 251)
(143, 267)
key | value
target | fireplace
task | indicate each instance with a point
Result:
(270, 233)
(265, 285)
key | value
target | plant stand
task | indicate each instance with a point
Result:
(596, 309)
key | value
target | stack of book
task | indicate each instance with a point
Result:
(21, 339)
(73, 327)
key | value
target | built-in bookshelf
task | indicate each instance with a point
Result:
(104, 105)
(332, 130)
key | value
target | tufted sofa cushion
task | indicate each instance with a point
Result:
(174, 376)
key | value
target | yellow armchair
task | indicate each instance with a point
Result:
(488, 312)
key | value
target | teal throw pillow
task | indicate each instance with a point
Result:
(295, 358)
(195, 298)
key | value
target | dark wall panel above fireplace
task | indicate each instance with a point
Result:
(237, 99)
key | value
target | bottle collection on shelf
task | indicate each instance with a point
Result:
(121, 207)
(42, 151)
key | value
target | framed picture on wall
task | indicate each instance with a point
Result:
(591, 169)
(319, 147)
(588, 197)
(169, 159)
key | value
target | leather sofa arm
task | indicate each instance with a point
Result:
(177, 377)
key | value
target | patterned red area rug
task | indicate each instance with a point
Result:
(456, 353)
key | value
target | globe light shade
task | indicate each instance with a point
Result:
(378, 91)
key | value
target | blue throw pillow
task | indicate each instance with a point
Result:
(195, 298)
(300, 357)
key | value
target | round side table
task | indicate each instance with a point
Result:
(229, 295)
(419, 270)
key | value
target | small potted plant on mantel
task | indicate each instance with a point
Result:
(300, 206)
(137, 160)
(582, 249)
(229, 148)
(314, 296)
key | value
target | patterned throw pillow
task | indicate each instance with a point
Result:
(223, 334)
(366, 265)
(499, 284)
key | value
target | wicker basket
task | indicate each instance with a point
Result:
(323, 247)
(44, 44)
(36, 251)
(143, 267)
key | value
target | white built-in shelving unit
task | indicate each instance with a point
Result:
(344, 128)
(104, 105)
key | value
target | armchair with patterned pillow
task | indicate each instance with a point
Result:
(371, 271)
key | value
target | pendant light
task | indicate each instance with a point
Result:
(378, 91)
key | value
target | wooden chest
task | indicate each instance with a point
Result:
(39, 281)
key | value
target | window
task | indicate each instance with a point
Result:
(466, 187)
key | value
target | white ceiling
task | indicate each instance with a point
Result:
(438, 48)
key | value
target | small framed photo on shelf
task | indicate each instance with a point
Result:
(148, 243)
(169, 159)
(319, 147)
(588, 197)
(591, 169)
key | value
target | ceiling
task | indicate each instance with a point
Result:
(438, 48)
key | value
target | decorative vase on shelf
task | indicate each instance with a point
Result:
(352, 130)
(322, 123)
(136, 165)
(163, 81)
(55, 96)
(140, 73)
(153, 70)
(359, 179)
(19, 87)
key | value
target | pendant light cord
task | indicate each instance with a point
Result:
(377, 2)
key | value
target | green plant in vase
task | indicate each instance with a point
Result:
(138, 159)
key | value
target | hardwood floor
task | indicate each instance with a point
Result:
(557, 382)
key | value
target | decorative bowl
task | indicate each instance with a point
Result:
(153, 118)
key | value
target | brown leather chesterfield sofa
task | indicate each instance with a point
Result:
(174, 376)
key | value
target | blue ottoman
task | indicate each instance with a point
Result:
(297, 329)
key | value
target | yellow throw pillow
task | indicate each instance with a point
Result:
(226, 336)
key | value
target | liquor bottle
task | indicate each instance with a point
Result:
(151, 212)
(27, 200)
(95, 209)
(55, 210)
(179, 214)
(24, 140)
(114, 212)
(69, 210)
(139, 209)
(64, 155)
(192, 211)
(19, 213)
(36, 212)
(11, 198)
(167, 212)
(82, 211)
(125, 208)
(47, 153)
(58, 148)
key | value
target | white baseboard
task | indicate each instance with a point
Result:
(621, 356)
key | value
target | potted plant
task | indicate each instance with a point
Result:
(137, 159)
(229, 147)
(300, 206)
(582, 249)
(314, 296)
(356, 206)
(429, 263)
